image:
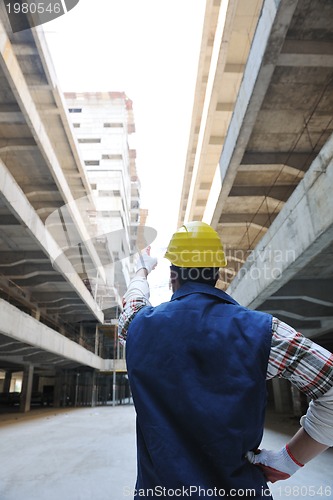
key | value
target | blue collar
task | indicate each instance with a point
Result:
(191, 287)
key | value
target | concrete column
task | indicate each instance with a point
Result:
(300, 402)
(6, 382)
(77, 389)
(26, 388)
(68, 389)
(282, 395)
(37, 314)
(57, 390)
(114, 389)
(86, 389)
(81, 341)
(96, 340)
(93, 391)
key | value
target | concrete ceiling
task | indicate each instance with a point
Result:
(228, 31)
(279, 123)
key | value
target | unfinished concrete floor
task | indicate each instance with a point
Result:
(89, 454)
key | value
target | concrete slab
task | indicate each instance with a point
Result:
(79, 454)
(89, 453)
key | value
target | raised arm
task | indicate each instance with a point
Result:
(137, 294)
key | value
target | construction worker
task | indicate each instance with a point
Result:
(198, 366)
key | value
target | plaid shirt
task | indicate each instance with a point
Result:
(130, 309)
(307, 365)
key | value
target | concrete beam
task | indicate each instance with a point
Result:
(253, 205)
(11, 117)
(310, 290)
(278, 170)
(262, 220)
(40, 87)
(306, 53)
(234, 68)
(51, 192)
(65, 306)
(23, 328)
(276, 192)
(298, 308)
(309, 327)
(24, 212)
(49, 205)
(216, 140)
(307, 47)
(8, 220)
(9, 107)
(23, 49)
(18, 144)
(305, 60)
(37, 280)
(26, 270)
(305, 222)
(118, 365)
(207, 42)
(225, 106)
(51, 297)
(48, 110)
(299, 161)
(222, 39)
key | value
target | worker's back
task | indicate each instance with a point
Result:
(197, 368)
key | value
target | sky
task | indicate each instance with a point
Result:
(150, 50)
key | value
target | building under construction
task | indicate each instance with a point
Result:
(70, 225)
(258, 169)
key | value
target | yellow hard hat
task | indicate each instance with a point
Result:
(196, 244)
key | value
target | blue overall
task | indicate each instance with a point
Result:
(197, 370)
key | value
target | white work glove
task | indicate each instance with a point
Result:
(145, 261)
(276, 465)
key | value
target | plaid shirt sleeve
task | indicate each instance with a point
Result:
(304, 363)
(136, 297)
(130, 309)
